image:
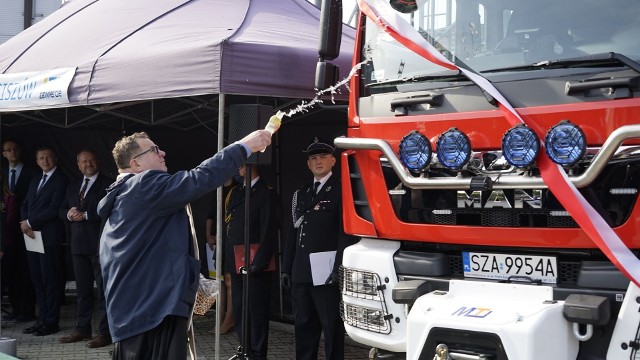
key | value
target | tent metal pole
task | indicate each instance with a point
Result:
(219, 194)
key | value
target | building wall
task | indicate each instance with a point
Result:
(12, 15)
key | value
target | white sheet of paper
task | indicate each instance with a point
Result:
(211, 262)
(321, 266)
(36, 244)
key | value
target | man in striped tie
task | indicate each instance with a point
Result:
(79, 210)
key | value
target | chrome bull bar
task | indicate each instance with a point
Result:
(598, 163)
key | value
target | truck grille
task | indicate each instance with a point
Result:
(503, 218)
(613, 194)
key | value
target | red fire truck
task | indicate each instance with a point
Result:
(467, 249)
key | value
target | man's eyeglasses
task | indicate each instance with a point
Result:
(153, 148)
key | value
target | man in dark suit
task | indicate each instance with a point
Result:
(263, 228)
(79, 209)
(15, 271)
(40, 213)
(316, 231)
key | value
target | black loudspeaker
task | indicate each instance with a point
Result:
(244, 119)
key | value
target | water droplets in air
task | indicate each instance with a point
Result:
(304, 106)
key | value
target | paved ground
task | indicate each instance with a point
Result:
(281, 342)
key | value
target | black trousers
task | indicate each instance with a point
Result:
(167, 341)
(87, 270)
(45, 274)
(316, 309)
(258, 311)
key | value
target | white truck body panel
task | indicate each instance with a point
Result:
(525, 318)
(377, 256)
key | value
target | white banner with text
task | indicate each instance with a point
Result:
(35, 90)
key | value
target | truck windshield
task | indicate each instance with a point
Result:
(497, 34)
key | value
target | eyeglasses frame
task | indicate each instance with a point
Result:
(153, 148)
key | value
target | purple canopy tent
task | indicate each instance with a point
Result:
(163, 62)
(127, 51)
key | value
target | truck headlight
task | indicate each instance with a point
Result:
(415, 151)
(361, 284)
(565, 143)
(453, 149)
(374, 320)
(520, 146)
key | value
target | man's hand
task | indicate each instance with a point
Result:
(74, 215)
(333, 279)
(211, 241)
(26, 229)
(257, 140)
(285, 280)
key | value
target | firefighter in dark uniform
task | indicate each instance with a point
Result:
(263, 230)
(316, 228)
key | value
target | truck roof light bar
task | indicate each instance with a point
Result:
(598, 163)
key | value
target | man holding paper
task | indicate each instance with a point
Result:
(40, 217)
(313, 255)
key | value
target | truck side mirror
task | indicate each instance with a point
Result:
(404, 6)
(330, 39)
(326, 75)
(330, 29)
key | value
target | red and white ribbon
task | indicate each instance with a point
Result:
(381, 13)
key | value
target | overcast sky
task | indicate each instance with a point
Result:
(347, 8)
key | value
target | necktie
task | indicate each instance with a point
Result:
(12, 180)
(44, 180)
(316, 185)
(82, 192)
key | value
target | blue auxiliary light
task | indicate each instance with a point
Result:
(520, 146)
(453, 149)
(415, 151)
(565, 143)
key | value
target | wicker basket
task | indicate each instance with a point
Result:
(206, 295)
